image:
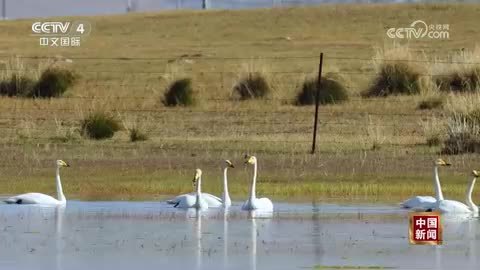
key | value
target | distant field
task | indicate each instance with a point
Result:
(371, 149)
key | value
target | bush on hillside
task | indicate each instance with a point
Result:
(53, 82)
(99, 125)
(136, 134)
(398, 78)
(463, 134)
(179, 93)
(430, 103)
(252, 86)
(331, 91)
(462, 80)
(17, 86)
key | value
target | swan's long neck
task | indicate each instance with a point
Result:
(436, 181)
(199, 190)
(254, 180)
(60, 195)
(226, 196)
(469, 201)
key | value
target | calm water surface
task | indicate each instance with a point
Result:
(153, 235)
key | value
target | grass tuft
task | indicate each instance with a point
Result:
(53, 83)
(45, 81)
(179, 93)
(395, 79)
(430, 103)
(99, 125)
(331, 91)
(252, 86)
(396, 74)
(136, 134)
(462, 74)
(463, 133)
(17, 86)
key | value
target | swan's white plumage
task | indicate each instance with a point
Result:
(452, 207)
(253, 203)
(196, 201)
(263, 204)
(427, 202)
(39, 198)
(211, 200)
(449, 206)
(419, 202)
(34, 198)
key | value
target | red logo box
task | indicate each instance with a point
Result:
(425, 228)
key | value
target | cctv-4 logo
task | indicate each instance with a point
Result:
(77, 28)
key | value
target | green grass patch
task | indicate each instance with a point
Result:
(99, 125)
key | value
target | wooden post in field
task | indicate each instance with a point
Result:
(317, 101)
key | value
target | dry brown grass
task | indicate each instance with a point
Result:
(367, 148)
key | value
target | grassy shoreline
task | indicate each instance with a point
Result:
(368, 148)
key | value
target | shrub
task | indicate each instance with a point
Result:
(433, 130)
(463, 134)
(461, 143)
(431, 103)
(395, 79)
(99, 125)
(53, 82)
(17, 85)
(331, 91)
(137, 135)
(434, 141)
(179, 93)
(460, 80)
(254, 85)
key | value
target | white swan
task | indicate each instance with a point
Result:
(212, 200)
(226, 201)
(196, 201)
(468, 198)
(450, 206)
(39, 198)
(471, 205)
(263, 204)
(424, 202)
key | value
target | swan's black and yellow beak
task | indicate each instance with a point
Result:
(441, 162)
(229, 164)
(246, 157)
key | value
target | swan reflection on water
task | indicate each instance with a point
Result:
(130, 234)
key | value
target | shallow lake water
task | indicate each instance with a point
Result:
(154, 235)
